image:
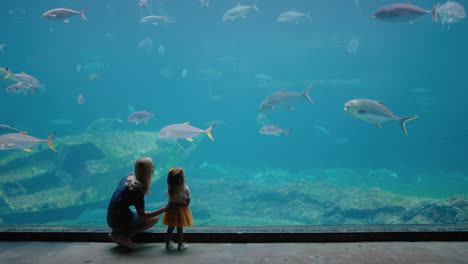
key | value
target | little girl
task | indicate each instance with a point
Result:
(180, 215)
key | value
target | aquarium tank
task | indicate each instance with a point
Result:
(338, 112)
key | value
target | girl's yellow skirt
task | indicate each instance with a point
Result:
(178, 217)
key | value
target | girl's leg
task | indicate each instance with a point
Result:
(169, 245)
(180, 235)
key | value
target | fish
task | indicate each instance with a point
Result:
(22, 141)
(204, 3)
(451, 12)
(156, 20)
(184, 73)
(1, 48)
(161, 50)
(274, 130)
(94, 76)
(145, 45)
(276, 100)
(143, 4)
(183, 131)
(5, 129)
(80, 99)
(403, 12)
(375, 112)
(63, 14)
(140, 116)
(263, 79)
(19, 88)
(24, 78)
(293, 16)
(239, 11)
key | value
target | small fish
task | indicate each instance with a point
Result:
(204, 3)
(183, 131)
(375, 112)
(143, 4)
(161, 50)
(239, 11)
(4, 129)
(184, 73)
(24, 78)
(140, 117)
(274, 130)
(80, 99)
(1, 48)
(63, 14)
(451, 12)
(19, 88)
(156, 20)
(275, 101)
(94, 76)
(403, 12)
(293, 16)
(22, 141)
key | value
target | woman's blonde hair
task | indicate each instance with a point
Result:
(141, 177)
(175, 181)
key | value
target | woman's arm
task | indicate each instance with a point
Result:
(142, 214)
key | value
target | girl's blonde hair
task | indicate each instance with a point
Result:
(175, 181)
(141, 177)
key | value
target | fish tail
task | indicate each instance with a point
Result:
(287, 131)
(434, 13)
(82, 14)
(8, 73)
(403, 121)
(49, 141)
(306, 94)
(208, 132)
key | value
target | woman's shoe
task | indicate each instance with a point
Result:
(182, 246)
(170, 245)
(126, 242)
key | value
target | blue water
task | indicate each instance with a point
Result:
(391, 61)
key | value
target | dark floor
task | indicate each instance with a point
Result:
(362, 253)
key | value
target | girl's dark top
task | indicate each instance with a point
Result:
(119, 206)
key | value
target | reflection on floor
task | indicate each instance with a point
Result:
(362, 253)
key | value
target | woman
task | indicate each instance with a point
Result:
(131, 190)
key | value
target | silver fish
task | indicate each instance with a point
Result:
(23, 78)
(375, 112)
(293, 16)
(22, 141)
(140, 117)
(183, 131)
(239, 11)
(19, 88)
(156, 20)
(275, 101)
(403, 12)
(451, 12)
(63, 14)
(273, 130)
(9, 129)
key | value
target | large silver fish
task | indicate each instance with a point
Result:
(22, 141)
(24, 79)
(375, 112)
(4, 129)
(403, 12)
(140, 117)
(183, 131)
(63, 14)
(274, 130)
(277, 101)
(239, 11)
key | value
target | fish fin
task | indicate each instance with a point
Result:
(49, 141)
(403, 121)
(434, 13)
(306, 94)
(291, 108)
(208, 132)
(286, 132)
(186, 123)
(411, 22)
(8, 74)
(53, 15)
(20, 83)
(27, 149)
(189, 139)
(82, 14)
(380, 102)
(24, 132)
(361, 111)
(378, 125)
(66, 21)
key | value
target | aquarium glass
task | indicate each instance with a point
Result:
(322, 112)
